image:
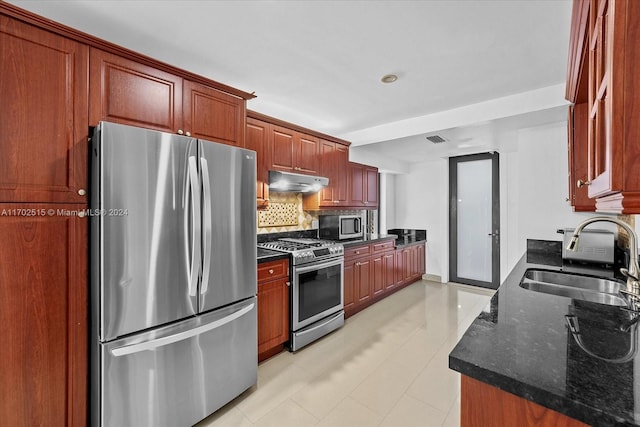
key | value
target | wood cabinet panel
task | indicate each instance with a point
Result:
(363, 279)
(357, 251)
(363, 186)
(388, 266)
(213, 115)
(349, 287)
(257, 139)
(282, 155)
(127, 92)
(484, 405)
(334, 161)
(273, 314)
(43, 133)
(273, 270)
(422, 259)
(578, 159)
(273, 307)
(307, 149)
(43, 312)
(378, 275)
(608, 28)
(357, 184)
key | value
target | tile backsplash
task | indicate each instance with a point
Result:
(285, 213)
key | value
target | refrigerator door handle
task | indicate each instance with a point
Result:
(153, 344)
(195, 226)
(207, 224)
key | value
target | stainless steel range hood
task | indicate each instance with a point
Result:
(295, 182)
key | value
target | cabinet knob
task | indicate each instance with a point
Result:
(357, 252)
(336, 201)
(82, 191)
(188, 133)
(180, 132)
(81, 214)
(580, 183)
(271, 271)
(288, 283)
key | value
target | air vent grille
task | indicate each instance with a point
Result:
(436, 139)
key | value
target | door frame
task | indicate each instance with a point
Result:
(495, 219)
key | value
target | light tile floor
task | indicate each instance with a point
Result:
(388, 366)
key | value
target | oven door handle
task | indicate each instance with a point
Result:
(324, 323)
(312, 267)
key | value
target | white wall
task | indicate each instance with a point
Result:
(534, 186)
(421, 198)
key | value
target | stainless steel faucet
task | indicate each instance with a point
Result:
(632, 272)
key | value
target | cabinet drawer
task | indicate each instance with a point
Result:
(357, 251)
(273, 270)
(386, 245)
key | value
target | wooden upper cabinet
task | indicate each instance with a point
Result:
(43, 312)
(131, 93)
(282, 149)
(257, 139)
(43, 115)
(613, 69)
(213, 115)
(127, 92)
(363, 186)
(293, 151)
(306, 150)
(334, 161)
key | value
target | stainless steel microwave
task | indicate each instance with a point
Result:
(339, 227)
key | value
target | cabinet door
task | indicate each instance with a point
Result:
(578, 159)
(341, 181)
(378, 268)
(127, 92)
(282, 154)
(388, 266)
(371, 187)
(257, 139)
(349, 286)
(43, 313)
(407, 260)
(213, 115)
(399, 267)
(363, 279)
(422, 260)
(43, 114)
(606, 124)
(307, 148)
(357, 178)
(273, 313)
(328, 169)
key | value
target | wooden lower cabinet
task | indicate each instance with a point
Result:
(43, 313)
(483, 405)
(273, 307)
(373, 271)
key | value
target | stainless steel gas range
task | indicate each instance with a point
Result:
(317, 277)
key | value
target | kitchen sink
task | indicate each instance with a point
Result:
(575, 286)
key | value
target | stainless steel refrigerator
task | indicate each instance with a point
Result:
(173, 276)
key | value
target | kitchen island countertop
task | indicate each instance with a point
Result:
(520, 343)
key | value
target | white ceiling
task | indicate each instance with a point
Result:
(319, 63)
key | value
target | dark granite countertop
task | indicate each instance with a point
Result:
(266, 255)
(520, 343)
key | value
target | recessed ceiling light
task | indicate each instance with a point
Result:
(389, 78)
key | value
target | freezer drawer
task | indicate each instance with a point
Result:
(179, 374)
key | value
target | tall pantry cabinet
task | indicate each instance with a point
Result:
(55, 83)
(43, 255)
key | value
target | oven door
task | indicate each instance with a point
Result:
(317, 291)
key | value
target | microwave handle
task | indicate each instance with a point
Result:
(358, 228)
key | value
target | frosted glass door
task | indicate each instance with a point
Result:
(474, 220)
